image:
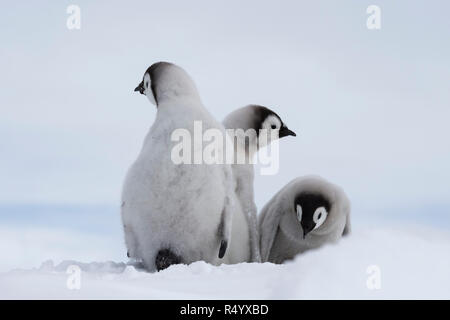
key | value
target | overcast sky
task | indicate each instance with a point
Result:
(371, 107)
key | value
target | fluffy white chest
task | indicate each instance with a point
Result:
(178, 206)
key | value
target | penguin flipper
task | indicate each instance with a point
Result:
(347, 228)
(224, 230)
(223, 248)
(270, 220)
(348, 225)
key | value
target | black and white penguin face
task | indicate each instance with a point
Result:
(145, 88)
(270, 121)
(165, 81)
(312, 211)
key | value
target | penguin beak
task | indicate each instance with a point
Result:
(305, 232)
(284, 131)
(140, 88)
(307, 228)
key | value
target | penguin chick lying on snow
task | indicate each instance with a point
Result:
(306, 214)
(252, 117)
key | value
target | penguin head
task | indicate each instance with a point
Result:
(273, 124)
(312, 211)
(146, 88)
(275, 128)
(259, 117)
(165, 81)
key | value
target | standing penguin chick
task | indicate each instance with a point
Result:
(252, 117)
(305, 214)
(179, 212)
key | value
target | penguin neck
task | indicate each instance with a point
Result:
(176, 87)
(180, 107)
(248, 149)
(178, 98)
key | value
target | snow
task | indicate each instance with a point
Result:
(413, 263)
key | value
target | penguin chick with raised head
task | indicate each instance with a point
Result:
(305, 214)
(179, 212)
(254, 117)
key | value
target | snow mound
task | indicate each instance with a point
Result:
(369, 264)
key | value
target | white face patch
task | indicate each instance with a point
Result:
(271, 123)
(319, 216)
(148, 89)
(299, 212)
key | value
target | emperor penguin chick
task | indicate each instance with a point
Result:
(305, 214)
(256, 118)
(176, 212)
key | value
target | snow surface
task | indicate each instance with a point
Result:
(413, 262)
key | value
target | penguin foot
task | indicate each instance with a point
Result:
(165, 258)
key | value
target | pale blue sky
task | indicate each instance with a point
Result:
(371, 108)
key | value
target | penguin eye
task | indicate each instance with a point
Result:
(273, 126)
(319, 217)
(299, 212)
(146, 85)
